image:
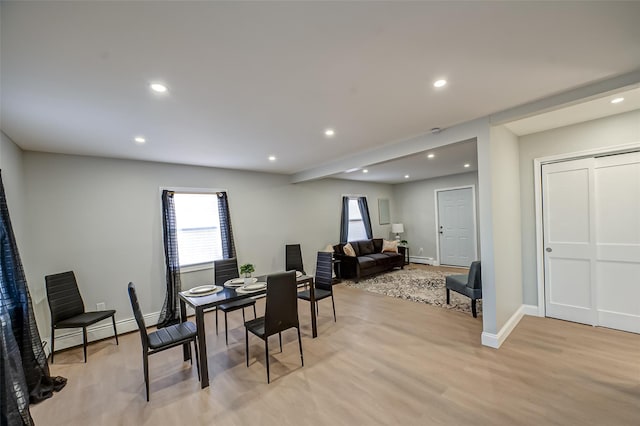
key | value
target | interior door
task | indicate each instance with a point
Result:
(591, 215)
(617, 189)
(456, 227)
(568, 240)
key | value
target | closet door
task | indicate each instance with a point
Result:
(569, 229)
(617, 190)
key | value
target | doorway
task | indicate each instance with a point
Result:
(591, 240)
(456, 226)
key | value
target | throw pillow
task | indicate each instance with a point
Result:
(329, 248)
(389, 246)
(348, 250)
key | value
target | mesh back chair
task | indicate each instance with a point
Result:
(293, 258)
(323, 281)
(67, 308)
(281, 313)
(224, 270)
(163, 338)
(469, 285)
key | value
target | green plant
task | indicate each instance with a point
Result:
(247, 269)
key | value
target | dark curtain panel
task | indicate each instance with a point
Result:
(344, 221)
(228, 246)
(364, 212)
(24, 372)
(170, 313)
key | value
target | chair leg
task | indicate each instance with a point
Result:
(145, 361)
(300, 344)
(448, 296)
(317, 308)
(243, 318)
(280, 338)
(216, 321)
(473, 308)
(84, 342)
(115, 331)
(53, 339)
(254, 312)
(334, 308)
(226, 333)
(195, 346)
(246, 343)
(266, 354)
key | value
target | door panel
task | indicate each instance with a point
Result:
(456, 227)
(567, 240)
(591, 215)
(617, 188)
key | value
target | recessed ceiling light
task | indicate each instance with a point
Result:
(355, 169)
(431, 155)
(272, 158)
(329, 133)
(440, 83)
(365, 171)
(406, 176)
(158, 87)
(139, 139)
(467, 165)
(617, 100)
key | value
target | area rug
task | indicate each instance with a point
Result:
(418, 285)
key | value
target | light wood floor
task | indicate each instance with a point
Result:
(385, 362)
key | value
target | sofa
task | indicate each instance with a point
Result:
(369, 259)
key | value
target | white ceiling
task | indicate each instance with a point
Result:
(252, 79)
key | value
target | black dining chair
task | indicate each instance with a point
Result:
(323, 282)
(224, 270)
(67, 308)
(281, 313)
(293, 258)
(469, 285)
(163, 338)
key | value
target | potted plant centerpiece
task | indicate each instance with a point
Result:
(247, 269)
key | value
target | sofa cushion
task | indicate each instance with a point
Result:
(366, 262)
(366, 247)
(380, 258)
(389, 246)
(349, 250)
(377, 245)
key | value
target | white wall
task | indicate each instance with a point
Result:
(415, 208)
(102, 219)
(606, 132)
(505, 180)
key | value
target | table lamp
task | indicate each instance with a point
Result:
(398, 229)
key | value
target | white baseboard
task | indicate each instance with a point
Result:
(73, 337)
(423, 260)
(496, 340)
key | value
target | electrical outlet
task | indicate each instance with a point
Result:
(421, 250)
(101, 306)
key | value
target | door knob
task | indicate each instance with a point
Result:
(549, 249)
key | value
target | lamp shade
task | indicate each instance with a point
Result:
(397, 228)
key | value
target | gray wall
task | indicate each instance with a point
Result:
(12, 168)
(102, 218)
(606, 132)
(505, 186)
(415, 206)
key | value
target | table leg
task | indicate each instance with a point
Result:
(186, 348)
(312, 303)
(202, 348)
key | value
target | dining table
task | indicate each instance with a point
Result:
(200, 303)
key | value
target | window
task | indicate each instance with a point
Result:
(198, 228)
(356, 224)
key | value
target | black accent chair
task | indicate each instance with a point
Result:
(67, 308)
(323, 281)
(163, 338)
(293, 258)
(224, 270)
(281, 313)
(468, 285)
